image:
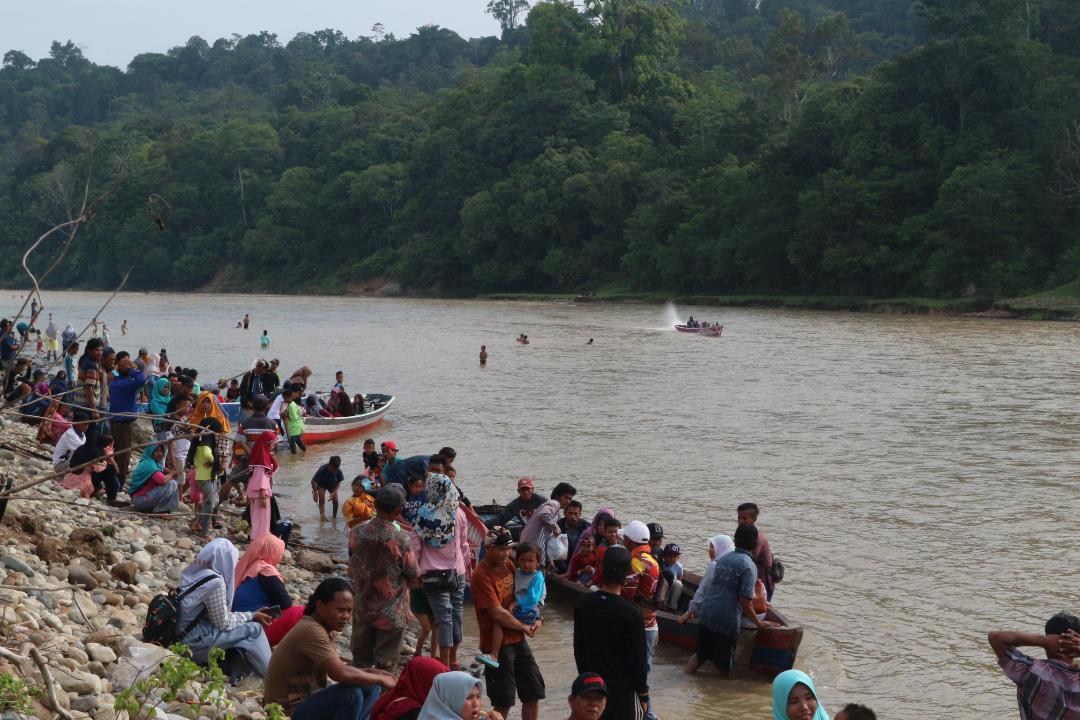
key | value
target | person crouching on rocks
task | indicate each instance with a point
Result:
(205, 621)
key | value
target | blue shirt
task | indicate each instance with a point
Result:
(9, 347)
(123, 392)
(733, 577)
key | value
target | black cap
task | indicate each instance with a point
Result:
(656, 531)
(672, 549)
(391, 497)
(616, 561)
(588, 682)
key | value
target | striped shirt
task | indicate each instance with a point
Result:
(1045, 689)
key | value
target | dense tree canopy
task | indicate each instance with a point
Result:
(871, 147)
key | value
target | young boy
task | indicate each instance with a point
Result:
(762, 554)
(361, 506)
(294, 422)
(529, 593)
(371, 458)
(415, 497)
(234, 390)
(264, 341)
(669, 591)
(610, 539)
(855, 712)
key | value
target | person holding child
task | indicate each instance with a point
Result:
(530, 590)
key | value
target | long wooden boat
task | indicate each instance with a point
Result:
(320, 429)
(767, 652)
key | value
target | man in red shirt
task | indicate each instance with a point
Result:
(493, 593)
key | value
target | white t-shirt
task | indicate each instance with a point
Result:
(274, 413)
(68, 443)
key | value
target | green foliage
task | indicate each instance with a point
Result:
(179, 678)
(833, 147)
(15, 694)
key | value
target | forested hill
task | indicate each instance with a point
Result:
(861, 147)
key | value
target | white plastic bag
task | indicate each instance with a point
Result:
(558, 547)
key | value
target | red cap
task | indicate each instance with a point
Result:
(390, 445)
(525, 483)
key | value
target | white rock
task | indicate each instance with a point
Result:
(142, 559)
(101, 653)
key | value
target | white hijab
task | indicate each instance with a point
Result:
(448, 694)
(218, 557)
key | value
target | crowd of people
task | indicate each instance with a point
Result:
(415, 543)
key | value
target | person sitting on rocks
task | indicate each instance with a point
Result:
(152, 488)
(302, 662)
(412, 689)
(205, 621)
(260, 585)
(455, 696)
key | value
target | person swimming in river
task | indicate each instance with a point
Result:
(590, 342)
(523, 339)
(483, 355)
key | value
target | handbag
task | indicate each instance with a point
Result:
(438, 581)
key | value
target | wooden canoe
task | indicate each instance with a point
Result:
(767, 652)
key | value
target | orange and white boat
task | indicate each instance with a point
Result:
(325, 429)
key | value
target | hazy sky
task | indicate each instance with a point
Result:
(114, 31)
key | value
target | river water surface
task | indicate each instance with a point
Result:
(915, 474)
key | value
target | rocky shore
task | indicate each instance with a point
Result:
(75, 580)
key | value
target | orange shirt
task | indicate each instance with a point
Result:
(491, 588)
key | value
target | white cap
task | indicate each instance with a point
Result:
(636, 532)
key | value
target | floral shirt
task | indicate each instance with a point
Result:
(381, 564)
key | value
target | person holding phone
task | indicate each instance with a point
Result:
(260, 586)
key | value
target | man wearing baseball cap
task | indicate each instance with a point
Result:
(493, 593)
(523, 505)
(381, 564)
(609, 639)
(588, 697)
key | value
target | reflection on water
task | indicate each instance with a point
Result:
(915, 474)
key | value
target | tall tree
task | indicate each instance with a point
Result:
(509, 13)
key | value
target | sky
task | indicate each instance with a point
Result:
(112, 32)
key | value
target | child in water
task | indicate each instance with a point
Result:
(483, 355)
(264, 341)
(361, 506)
(529, 593)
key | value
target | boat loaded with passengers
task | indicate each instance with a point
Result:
(764, 652)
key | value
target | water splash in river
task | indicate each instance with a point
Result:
(671, 316)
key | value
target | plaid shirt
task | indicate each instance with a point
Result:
(1045, 689)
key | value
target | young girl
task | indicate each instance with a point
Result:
(294, 424)
(361, 506)
(207, 466)
(264, 341)
(583, 563)
(260, 486)
(529, 593)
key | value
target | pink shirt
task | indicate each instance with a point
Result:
(450, 556)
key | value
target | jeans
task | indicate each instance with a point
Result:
(248, 640)
(651, 636)
(340, 702)
(448, 609)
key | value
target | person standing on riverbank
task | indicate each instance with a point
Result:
(381, 565)
(609, 639)
(123, 396)
(493, 594)
(1045, 689)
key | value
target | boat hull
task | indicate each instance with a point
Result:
(766, 652)
(685, 329)
(320, 430)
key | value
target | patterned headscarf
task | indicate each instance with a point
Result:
(435, 519)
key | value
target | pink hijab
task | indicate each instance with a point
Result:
(261, 558)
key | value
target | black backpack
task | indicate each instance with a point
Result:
(163, 613)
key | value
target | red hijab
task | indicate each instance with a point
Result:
(260, 453)
(411, 690)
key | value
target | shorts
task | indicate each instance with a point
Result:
(716, 647)
(331, 488)
(418, 602)
(527, 617)
(517, 674)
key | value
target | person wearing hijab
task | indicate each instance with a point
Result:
(260, 487)
(160, 396)
(441, 546)
(207, 406)
(411, 691)
(596, 529)
(719, 546)
(454, 696)
(794, 697)
(259, 584)
(205, 621)
(152, 488)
